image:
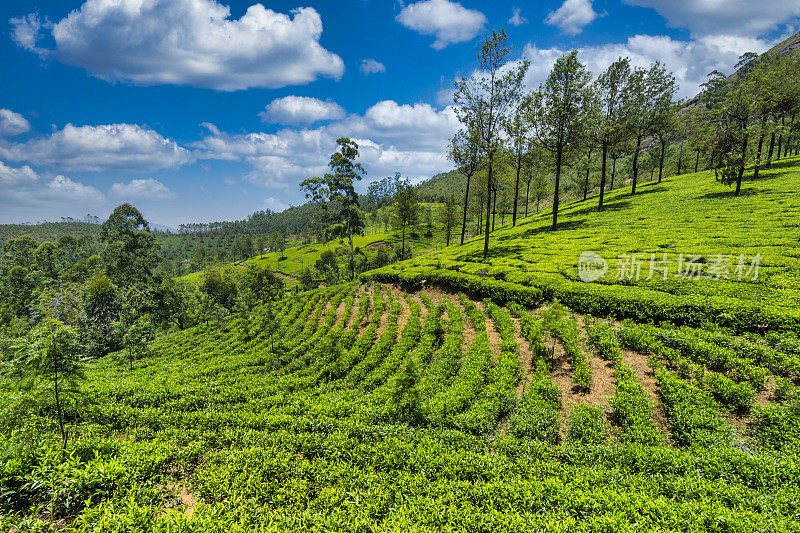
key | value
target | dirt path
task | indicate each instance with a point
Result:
(491, 332)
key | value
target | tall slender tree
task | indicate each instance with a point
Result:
(648, 95)
(483, 101)
(561, 109)
(463, 151)
(609, 88)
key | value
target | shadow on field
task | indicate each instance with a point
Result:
(565, 225)
(750, 191)
(647, 188)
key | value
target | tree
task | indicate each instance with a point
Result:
(277, 243)
(335, 191)
(406, 210)
(135, 338)
(647, 98)
(518, 130)
(463, 152)
(260, 243)
(130, 250)
(561, 107)
(609, 87)
(448, 216)
(483, 100)
(51, 354)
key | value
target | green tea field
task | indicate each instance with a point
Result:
(445, 394)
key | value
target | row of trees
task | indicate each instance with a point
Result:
(625, 112)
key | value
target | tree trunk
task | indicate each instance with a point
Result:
(680, 158)
(516, 189)
(636, 164)
(527, 190)
(771, 149)
(780, 139)
(559, 149)
(464, 220)
(586, 181)
(603, 174)
(661, 161)
(494, 208)
(697, 162)
(613, 172)
(741, 166)
(788, 138)
(760, 146)
(488, 209)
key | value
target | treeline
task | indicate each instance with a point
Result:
(518, 149)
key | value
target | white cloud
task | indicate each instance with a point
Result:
(371, 66)
(141, 189)
(301, 110)
(410, 139)
(449, 21)
(97, 148)
(689, 61)
(572, 16)
(12, 123)
(732, 17)
(517, 19)
(275, 205)
(25, 31)
(187, 42)
(24, 193)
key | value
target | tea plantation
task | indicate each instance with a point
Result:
(442, 393)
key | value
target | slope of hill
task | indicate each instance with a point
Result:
(48, 231)
(685, 217)
(370, 406)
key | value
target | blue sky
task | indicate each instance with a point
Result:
(195, 110)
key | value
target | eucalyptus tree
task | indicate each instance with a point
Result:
(448, 216)
(664, 133)
(561, 114)
(336, 193)
(483, 101)
(647, 97)
(406, 210)
(518, 129)
(609, 88)
(463, 151)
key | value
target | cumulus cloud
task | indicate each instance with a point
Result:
(392, 137)
(97, 148)
(731, 17)
(371, 66)
(690, 61)
(24, 192)
(516, 18)
(275, 205)
(187, 42)
(572, 16)
(301, 110)
(12, 123)
(449, 22)
(141, 189)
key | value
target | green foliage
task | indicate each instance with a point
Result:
(586, 425)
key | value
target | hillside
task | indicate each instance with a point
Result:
(411, 406)
(48, 231)
(691, 215)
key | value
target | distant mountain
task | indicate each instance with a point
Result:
(787, 46)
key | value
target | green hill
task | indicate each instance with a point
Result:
(407, 406)
(690, 214)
